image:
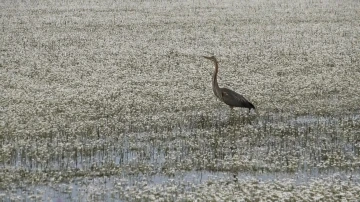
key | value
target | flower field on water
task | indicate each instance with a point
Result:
(112, 100)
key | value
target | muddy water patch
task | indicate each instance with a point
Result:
(184, 185)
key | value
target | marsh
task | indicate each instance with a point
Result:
(112, 101)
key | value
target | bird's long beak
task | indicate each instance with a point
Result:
(207, 57)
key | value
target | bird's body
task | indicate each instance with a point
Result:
(229, 97)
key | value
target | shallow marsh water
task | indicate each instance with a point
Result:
(112, 101)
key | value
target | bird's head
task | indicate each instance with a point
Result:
(212, 58)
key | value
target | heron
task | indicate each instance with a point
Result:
(229, 97)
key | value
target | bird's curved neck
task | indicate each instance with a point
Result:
(215, 84)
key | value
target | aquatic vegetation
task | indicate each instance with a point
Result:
(112, 101)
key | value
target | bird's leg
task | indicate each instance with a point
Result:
(231, 110)
(231, 114)
(249, 113)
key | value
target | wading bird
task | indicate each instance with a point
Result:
(229, 97)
